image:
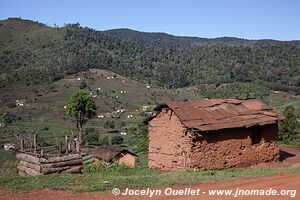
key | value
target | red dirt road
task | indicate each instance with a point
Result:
(279, 182)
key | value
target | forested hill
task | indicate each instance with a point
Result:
(171, 41)
(32, 53)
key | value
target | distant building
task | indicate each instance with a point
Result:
(20, 102)
(144, 108)
(108, 154)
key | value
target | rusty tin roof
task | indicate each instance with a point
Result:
(216, 114)
(107, 153)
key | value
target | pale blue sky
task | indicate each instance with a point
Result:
(252, 19)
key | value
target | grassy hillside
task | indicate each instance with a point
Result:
(43, 111)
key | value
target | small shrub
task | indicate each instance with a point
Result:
(103, 140)
(91, 136)
(83, 84)
(117, 139)
(287, 128)
(109, 124)
(8, 117)
(104, 168)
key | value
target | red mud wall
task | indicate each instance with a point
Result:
(169, 144)
(233, 147)
(173, 148)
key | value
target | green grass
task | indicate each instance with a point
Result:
(132, 178)
(104, 179)
(8, 163)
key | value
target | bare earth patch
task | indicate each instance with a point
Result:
(281, 182)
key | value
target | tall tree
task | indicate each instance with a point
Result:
(81, 106)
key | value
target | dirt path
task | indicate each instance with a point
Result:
(288, 157)
(279, 182)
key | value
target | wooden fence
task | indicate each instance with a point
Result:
(35, 164)
(35, 160)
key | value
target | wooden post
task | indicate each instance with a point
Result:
(69, 147)
(60, 148)
(66, 142)
(73, 146)
(22, 144)
(77, 146)
(56, 141)
(35, 143)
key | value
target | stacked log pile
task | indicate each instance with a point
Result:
(88, 159)
(33, 164)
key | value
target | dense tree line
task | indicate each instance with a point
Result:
(43, 54)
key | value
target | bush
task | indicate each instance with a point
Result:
(83, 84)
(91, 136)
(109, 124)
(103, 140)
(103, 168)
(287, 128)
(8, 117)
(117, 139)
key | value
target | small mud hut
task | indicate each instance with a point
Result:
(212, 134)
(108, 154)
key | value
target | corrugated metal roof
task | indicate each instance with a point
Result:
(216, 114)
(107, 153)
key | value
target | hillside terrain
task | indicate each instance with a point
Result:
(32, 53)
(42, 66)
(42, 108)
(128, 73)
(170, 41)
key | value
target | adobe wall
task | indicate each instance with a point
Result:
(127, 159)
(233, 148)
(169, 144)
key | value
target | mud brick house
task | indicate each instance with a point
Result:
(212, 134)
(108, 154)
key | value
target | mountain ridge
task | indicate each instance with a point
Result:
(185, 41)
(33, 53)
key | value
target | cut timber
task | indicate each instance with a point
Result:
(61, 159)
(87, 157)
(76, 169)
(27, 170)
(28, 158)
(21, 173)
(63, 164)
(54, 170)
(33, 166)
(91, 160)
